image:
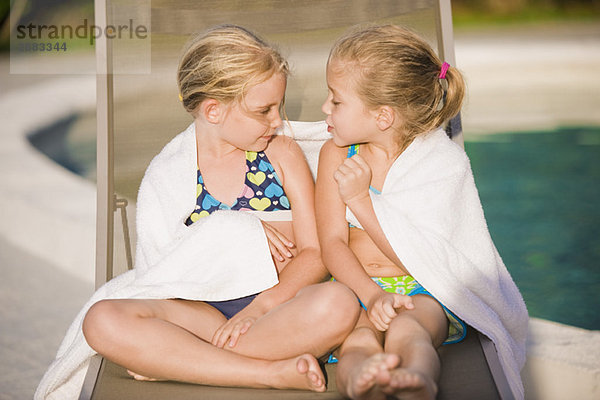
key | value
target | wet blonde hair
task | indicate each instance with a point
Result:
(393, 66)
(222, 63)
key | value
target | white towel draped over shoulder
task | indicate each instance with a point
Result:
(220, 257)
(431, 214)
(166, 198)
(310, 136)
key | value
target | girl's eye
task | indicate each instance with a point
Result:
(335, 103)
(266, 111)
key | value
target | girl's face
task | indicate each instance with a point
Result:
(348, 119)
(252, 121)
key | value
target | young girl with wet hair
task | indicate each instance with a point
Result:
(233, 84)
(400, 221)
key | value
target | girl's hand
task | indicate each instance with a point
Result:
(230, 332)
(353, 178)
(383, 308)
(279, 244)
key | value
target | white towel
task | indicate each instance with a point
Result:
(310, 136)
(430, 212)
(166, 198)
(168, 191)
(220, 257)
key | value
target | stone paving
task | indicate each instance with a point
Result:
(37, 303)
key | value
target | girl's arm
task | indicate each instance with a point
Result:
(333, 228)
(353, 178)
(279, 244)
(342, 182)
(306, 267)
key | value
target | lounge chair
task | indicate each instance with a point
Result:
(132, 122)
(470, 370)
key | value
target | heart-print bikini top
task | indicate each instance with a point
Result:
(262, 191)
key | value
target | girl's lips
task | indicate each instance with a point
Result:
(329, 128)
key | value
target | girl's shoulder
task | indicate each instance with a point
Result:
(286, 156)
(330, 150)
(446, 154)
(330, 157)
(431, 157)
(281, 147)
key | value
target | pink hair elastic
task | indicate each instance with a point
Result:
(445, 67)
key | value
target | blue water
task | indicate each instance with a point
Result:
(541, 196)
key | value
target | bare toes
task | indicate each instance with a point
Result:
(139, 377)
(365, 380)
(409, 385)
(309, 366)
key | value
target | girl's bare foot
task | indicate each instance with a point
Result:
(139, 377)
(410, 385)
(367, 379)
(302, 372)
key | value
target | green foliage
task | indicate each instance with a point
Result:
(4, 8)
(475, 13)
(57, 12)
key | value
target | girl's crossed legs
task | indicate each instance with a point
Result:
(170, 339)
(407, 366)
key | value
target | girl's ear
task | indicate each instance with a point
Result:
(211, 110)
(385, 118)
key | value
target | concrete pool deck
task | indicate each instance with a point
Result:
(518, 80)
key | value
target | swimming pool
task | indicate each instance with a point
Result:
(540, 195)
(540, 192)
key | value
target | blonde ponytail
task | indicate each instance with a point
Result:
(395, 67)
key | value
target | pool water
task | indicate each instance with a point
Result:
(540, 192)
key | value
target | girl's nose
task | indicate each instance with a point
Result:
(276, 122)
(326, 107)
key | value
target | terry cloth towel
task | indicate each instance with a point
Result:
(310, 136)
(173, 260)
(430, 212)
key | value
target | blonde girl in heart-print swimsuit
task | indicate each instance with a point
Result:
(233, 84)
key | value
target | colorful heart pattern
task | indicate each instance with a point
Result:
(265, 166)
(273, 190)
(259, 204)
(251, 156)
(256, 178)
(209, 202)
(262, 191)
(247, 192)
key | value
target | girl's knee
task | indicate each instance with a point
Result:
(427, 321)
(339, 295)
(361, 337)
(102, 320)
(333, 303)
(407, 328)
